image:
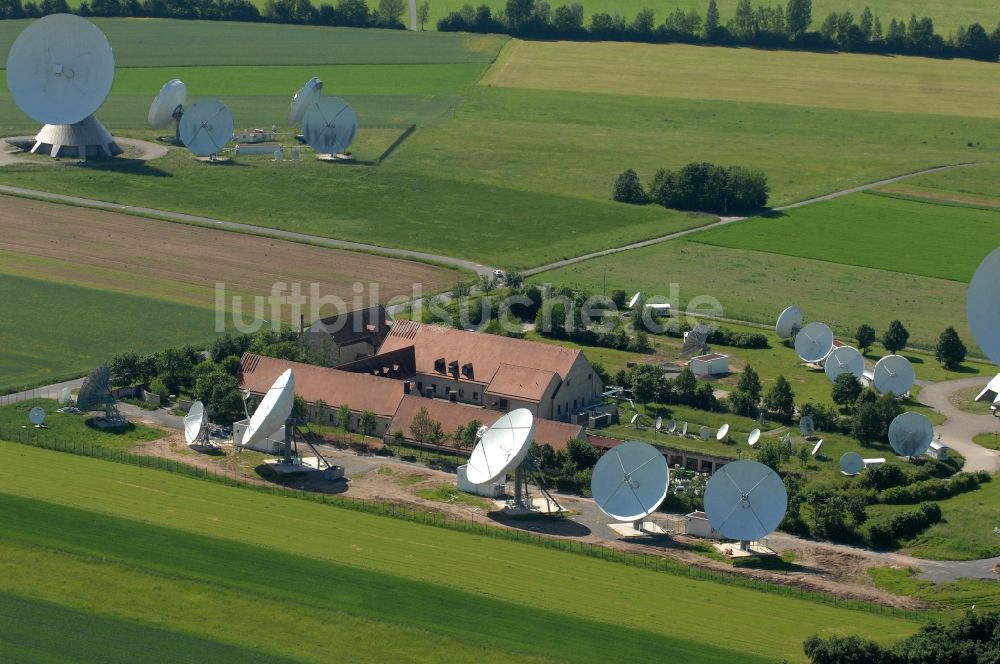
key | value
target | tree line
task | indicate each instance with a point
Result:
(777, 26)
(699, 186)
(345, 13)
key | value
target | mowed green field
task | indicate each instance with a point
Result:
(303, 576)
(756, 286)
(876, 231)
(947, 15)
(54, 331)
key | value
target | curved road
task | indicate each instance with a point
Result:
(960, 427)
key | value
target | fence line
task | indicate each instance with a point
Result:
(436, 519)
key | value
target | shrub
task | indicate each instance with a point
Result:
(903, 524)
(628, 189)
(157, 386)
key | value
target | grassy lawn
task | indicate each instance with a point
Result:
(943, 241)
(397, 587)
(987, 440)
(966, 530)
(965, 400)
(756, 286)
(449, 494)
(959, 595)
(973, 185)
(72, 429)
(53, 331)
(842, 81)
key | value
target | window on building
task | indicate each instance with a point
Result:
(558, 409)
(475, 396)
(461, 393)
(503, 404)
(574, 404)
(420, 386)
(330, 416)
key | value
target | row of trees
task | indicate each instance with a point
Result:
(950, 350)
(347, 13)
(699, 186)
(777, 26)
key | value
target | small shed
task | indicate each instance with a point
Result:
(937, 450)
(712, 364)
(697, 524)
(489, 490)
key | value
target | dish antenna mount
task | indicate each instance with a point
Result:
(168, 105)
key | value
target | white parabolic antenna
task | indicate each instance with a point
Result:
(206, 127)
(851, 463)
(630, 481)
(704, 433)
(753, 437)
(635, 298)
(168, 104)
(894, 375)
(659, 422)
(723, 432)
(308, 94)
(60, 69)
(910, 434)
(844, 360)
(982, 305)
(65, 394)
(672, 426)
(329, 126)
(814, 342)
(789, 322)
(273, 410)
(806, 426)
(684, 429)
(502, 448)
(817, 447)
(36, 415)
(745, 500)
(194, 421)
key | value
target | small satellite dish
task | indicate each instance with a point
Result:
(630, 481)
(672, 426)
(722, 432)
(894, 375)
(911, 434)
(704, 433)
(206, 127)
(329, 126)
(194, 422)
(806, 426)
(684, 429)
(659, 422)
(745, 500)
(786, 440)
(65, 395)
(502, 448)
(274, 409)
(168, 104)
(789, 322)
(635, 298)
(844, 360)
(981, 305)
(60, 69)
(814, 342)
(694, 341)
(480, 432)
(753, 438)
(817, 447)
(36, 415)
(851, 463)
(307, 95)
(634, 418)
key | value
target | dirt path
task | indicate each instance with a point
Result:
(960, 427)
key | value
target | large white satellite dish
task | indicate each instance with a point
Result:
(329, 126)
(168, 105)
(722, 432)
(814, 342)
(59, 71)
(851, 463)
(789, 322)
(36, 415)
(206, 127)
(273, 410)
(982, 306)
(844, 359)
(753, 438)
(745, 500)
(307, 95)
(502, 448)
(894, 375)
(630, 481)
(194, 421)
(910, 434)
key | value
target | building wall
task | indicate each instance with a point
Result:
(581, 389)
(468, 391)
(331, 415)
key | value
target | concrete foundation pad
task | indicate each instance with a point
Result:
(733, 550)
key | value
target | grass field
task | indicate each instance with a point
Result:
(756, 286)
(845, 81)
(870, 230)
(53, 331)
(398, 589)
(987, 440)
(959, 595)
(947, 16)
(71, 429)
